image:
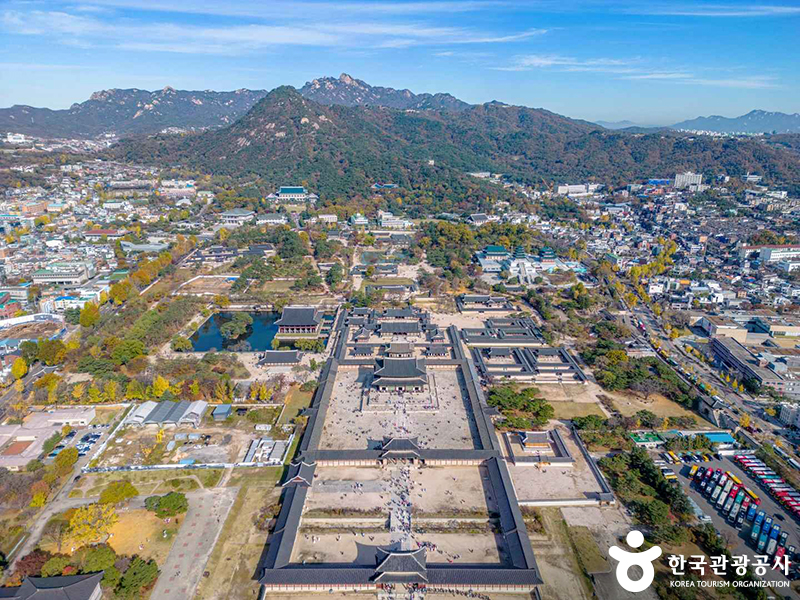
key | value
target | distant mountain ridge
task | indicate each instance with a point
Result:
(131, 112)
(342, 150)
(756, 121)
(348, 91)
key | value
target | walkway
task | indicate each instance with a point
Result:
(200, 528)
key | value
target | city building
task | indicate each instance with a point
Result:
(358, 220)
(236, 217)
(684, 180)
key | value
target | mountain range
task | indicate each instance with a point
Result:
(131, 112)
(756, 121)
(126, 112)
(348, 91)
(341, 150)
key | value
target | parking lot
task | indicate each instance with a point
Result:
(84, 439)
(740, 539)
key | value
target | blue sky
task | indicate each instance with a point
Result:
(649, 62)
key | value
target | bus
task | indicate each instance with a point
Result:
(693, 471)
(735, 479)
(753, 496)
(673, 457)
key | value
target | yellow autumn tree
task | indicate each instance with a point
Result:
(19, 368)
(160, 385)
(91, 523)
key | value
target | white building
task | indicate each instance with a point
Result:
(236, 217)
(582, 189)
(272, 219)
(388, 221)
(684, 180)
(771, 254)
(329, 218)
(358, 220)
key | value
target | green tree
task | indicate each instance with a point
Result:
(98, 558)
(181, 344)
(335, 275)
(127, 350)
(55, 566)
(118, 491)
(140, 575)
(168, 505)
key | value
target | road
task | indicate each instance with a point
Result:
(704, 373)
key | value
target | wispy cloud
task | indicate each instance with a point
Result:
(567, 63)
(634, 69)
(295, 9)
(165, 36)
(17, 66)
(750, 82)
(715, 10)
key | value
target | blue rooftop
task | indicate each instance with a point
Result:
(720, 437)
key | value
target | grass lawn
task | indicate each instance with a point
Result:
(587, 550)
(283, 285)
(135, 528)
(149, 482)
(104, 415)
(260, 476)
(140, 527)
(296, 400)
(570, 410)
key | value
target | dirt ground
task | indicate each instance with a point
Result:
(449, 489)
(138, 446)
(629, 404)
(435, 490)
(554, 482)
(558, 565)
(30, 331)
(334, 488)
(359, 547)
(207, 285)
(466, 320)
(347, 427)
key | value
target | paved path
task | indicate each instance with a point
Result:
(400, 504)
(200, 528)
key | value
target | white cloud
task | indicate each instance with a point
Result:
(745, 82)
(633, 69)
(166, 36)
(293, 8)
(715, 10)
(567, 63)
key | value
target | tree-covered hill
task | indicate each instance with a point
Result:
(339, 150)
